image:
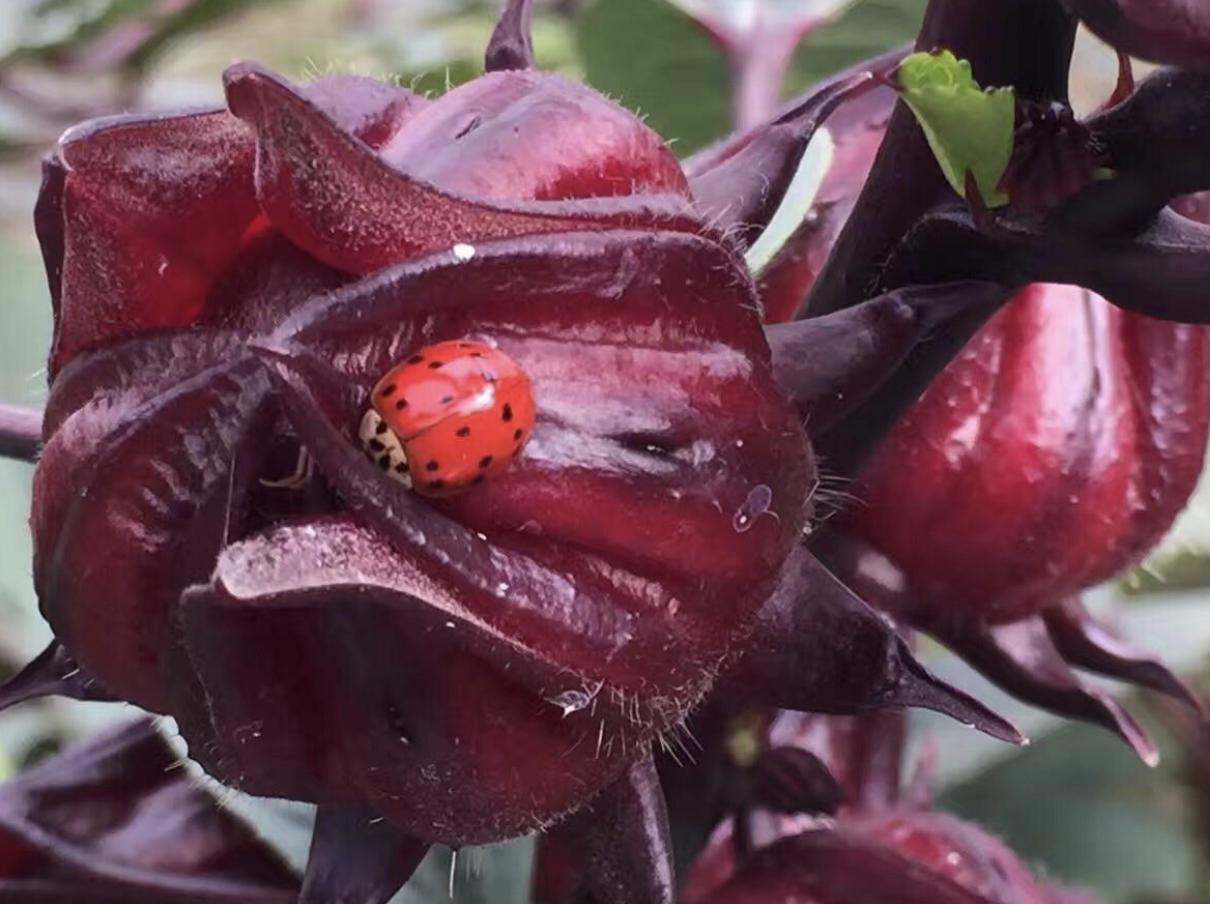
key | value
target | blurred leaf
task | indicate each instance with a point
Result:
(868, 29)
(1082, 805)
(654, 59)
(969, 128)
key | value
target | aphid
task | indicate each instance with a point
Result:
(448, 417)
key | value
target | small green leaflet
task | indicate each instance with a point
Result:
(970, 129)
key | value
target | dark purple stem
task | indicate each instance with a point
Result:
(20, 432)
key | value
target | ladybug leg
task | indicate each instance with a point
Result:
(304, 470)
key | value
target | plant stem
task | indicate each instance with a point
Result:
(20, 432)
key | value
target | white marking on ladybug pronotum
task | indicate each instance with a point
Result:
(383, 447)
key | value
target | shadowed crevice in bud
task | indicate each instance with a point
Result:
(620, 840)
(830, 365)
(52, 673)
(1021, 659)
(1086, 644)
(1054, 156)
(511, 46)
(817, 647)
(739, 194)
(357, 857)
(20, 432)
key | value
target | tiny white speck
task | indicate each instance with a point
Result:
(501, 588)
(739, 444)
(450, 624)
(463, 253)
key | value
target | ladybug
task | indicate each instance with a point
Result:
(449, 417)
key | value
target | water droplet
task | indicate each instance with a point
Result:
(759, 499)
(463, 252)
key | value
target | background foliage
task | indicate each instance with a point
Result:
(1075, 803)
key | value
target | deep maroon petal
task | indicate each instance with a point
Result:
(1085, 643)
(116, 819)
(335, 197)
(622, 843)
(447, 700)
(1165, 31)
(819, 648)
(153, 209)
(138, 520)
(656, 407)
(357, 857)
(1022, 659)
(792, 780)
(52, 672)
(524, 136)
(369, 109)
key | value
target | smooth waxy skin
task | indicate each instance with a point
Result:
(1082, 427)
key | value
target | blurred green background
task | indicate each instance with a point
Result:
(1076, 804)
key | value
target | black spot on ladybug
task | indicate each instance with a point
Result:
(464, 432)
(476, 354)
(517, 434)
(437, 485)
(445, 400)
(464, 345)
(433, 365)
(432, 466)
(382, 427)
(401, 467)
(479, 478)
(376, 446)
(385, 462)
(415, 359)
(401, 404)
(507, 413)
(388, 390)
(485, 462)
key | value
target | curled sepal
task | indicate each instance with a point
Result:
(357, 857)
(1172, 31)
(817, 647)
(51, 673)
(115, 820)
(829, 365)
(334, 196)
(1021, 658)
(740, 193)
(511, 46)
(621, 840)
(1087, 644)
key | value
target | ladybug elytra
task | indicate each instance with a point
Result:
(449, 417)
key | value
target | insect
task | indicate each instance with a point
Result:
(449, 417)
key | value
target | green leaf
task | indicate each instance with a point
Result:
(970, 129)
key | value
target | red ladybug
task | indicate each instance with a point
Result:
(449, 417)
